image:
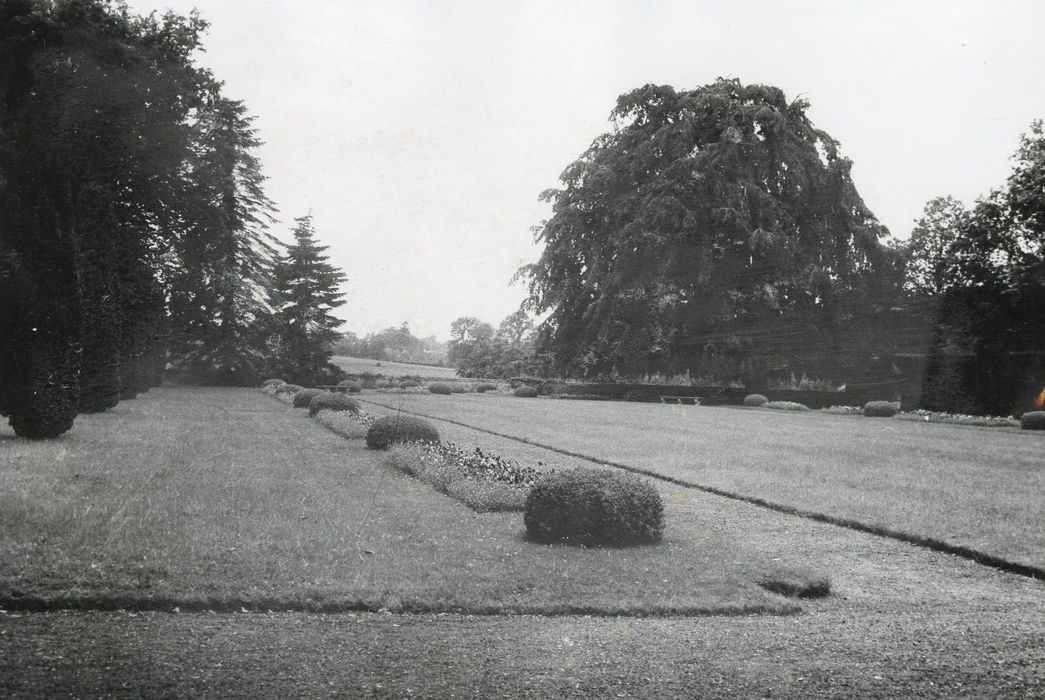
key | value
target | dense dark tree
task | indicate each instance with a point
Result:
(306, 288)
(715, 220)
(219, 287)
(477, 351)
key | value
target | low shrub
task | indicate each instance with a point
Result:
(272, 382)
(348, 425)
(484, 483)
(288, 389)
(755, 400)
(843, 410)
(329, 401)
(409, 384)
(440, 389)
(880, 409)
(787, 406)
(459, 388)
(303, 398)
(399, 428)
(633, 395)
(594, 507)
(526, 392)
(484, 387)
(1033, 420)
(959, 419)
(350, 386)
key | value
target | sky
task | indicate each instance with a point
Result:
(419, 133)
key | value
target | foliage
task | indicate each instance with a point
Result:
(329, 401)
(715, 222)
(303, 398)
(1033, 420)
(399, 428)
(526, 392)
(959, 419)
(484, 483)
(475, 350)
(440, 388)
(483, 387)
(395, 344)
(880, 409)
(594, 507)
(786, 406)
(273, 382)
(350, 386)
(288, 388)
(305, 291)
(755, 400)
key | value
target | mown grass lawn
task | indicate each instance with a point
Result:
(219, 498)
(358, 365)
(982, 488)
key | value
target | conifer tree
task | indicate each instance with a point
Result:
(305, 291)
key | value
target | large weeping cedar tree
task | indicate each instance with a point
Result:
(710, 223)
(305, 290)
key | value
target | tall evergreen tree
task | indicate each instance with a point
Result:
(305, 291)
(222, 273)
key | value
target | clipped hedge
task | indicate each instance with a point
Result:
(409, 384)
(880, 409)
(484, 387)
(755, 400)
(350, 386)
(594, 507)
(288, 389)
(272, 382)
(389, 430)
(445, 389)
(303, 398)
(526, 392)
(329, 401)
(1033, 420)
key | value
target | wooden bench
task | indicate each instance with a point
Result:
(686, 400)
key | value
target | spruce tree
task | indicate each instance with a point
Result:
(305, 291)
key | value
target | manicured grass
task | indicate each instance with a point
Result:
(222, 498)
(979, 488)
(358, 365)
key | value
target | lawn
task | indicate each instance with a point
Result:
(220, 498)
(359, 365)
(982, 488)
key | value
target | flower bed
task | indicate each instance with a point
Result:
(959, 418)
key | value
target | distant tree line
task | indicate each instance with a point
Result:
(134, 229)
(393, 344)
(717, 231)
(477, 350)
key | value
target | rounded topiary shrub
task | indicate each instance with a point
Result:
(399, 428)
(755, 400)
(526, 392)
(409, 384)
(329, 401)
(272, 382)
(880, 409)
(594, 507)
(440, 389)
(350, 386)
(303, 398)
(1033, 420)
(288, 389)
(484, 387)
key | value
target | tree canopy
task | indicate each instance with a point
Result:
(714, 221)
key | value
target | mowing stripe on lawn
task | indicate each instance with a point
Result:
(918, 540)
(232, 604)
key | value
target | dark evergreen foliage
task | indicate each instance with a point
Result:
(305, 290)
(389, 430)
(329, 401)
(594, 507)
(715, 222)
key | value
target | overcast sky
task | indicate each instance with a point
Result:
(419, 134)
